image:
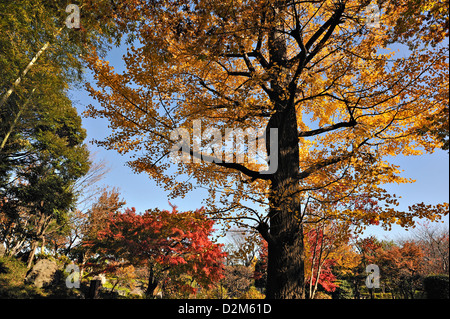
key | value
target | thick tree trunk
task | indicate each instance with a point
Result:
(286, 273)
(285, 270)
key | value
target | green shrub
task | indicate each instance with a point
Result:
(343, 291)
(382, 295)
(12, 275)
(436, 286)
(12, 285)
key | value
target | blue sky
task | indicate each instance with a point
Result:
(431, 172)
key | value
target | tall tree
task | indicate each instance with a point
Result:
(39, 58)
(43, 188)
(41, 151)
(316, 71)
(35, 33)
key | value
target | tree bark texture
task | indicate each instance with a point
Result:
(285, 270)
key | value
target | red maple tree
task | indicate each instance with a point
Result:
(321, 244)
(170, 244)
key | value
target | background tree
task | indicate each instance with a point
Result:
(43, 188)
(367, 248)
(347, 261)
(86, 225)
(41, 151)
(260, 274)
(401, 268)
(321, 242)
(108, 203)
(342, 103)
(167, 243)
(13, 232)
(433, 241)
(87, 187)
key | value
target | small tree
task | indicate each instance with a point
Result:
(434, 242)
(170, 244)
(343, 290)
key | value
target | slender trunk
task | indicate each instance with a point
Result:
(311, 279)
(114, 287)
(313, 263)
(319, 270)
(14, 238)
(34, 245)
(14, 250)
(43, 245)
(82, 260)
(321, 259)
(41, 229)
(16, 119)
(16, 83)
(152, 283)
(356, 289)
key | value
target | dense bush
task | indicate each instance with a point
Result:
(12, 274)
(343, 290)
(436, 286)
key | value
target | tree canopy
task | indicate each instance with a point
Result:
(340, 96)
(42, 151)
